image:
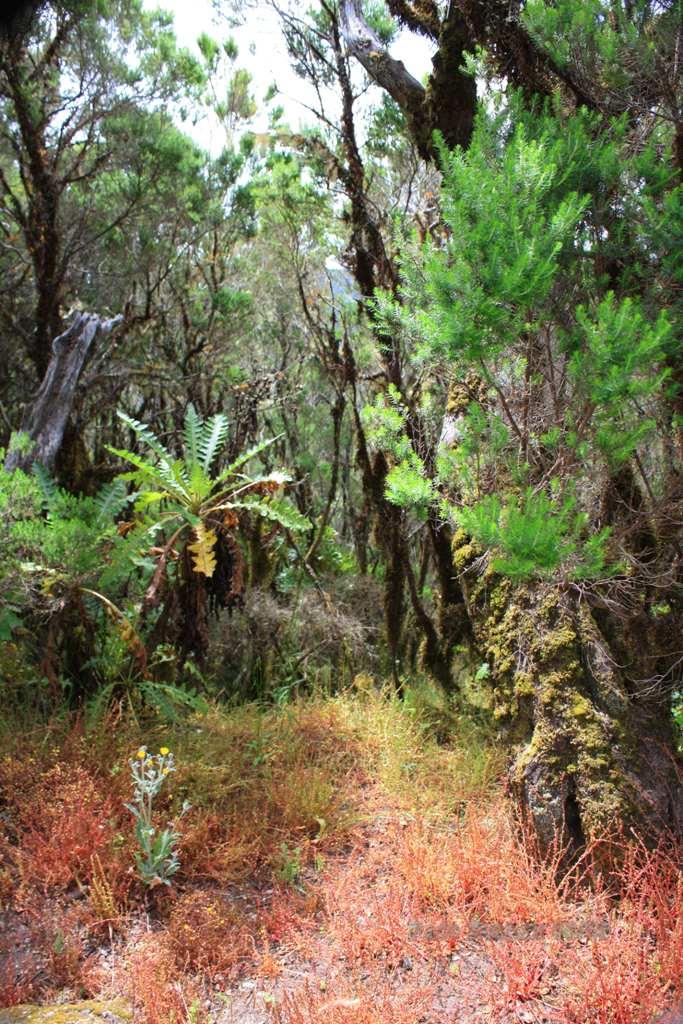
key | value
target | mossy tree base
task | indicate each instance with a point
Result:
(590, 753)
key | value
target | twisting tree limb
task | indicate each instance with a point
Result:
(448, 102)
(47, 415)
(366, 46)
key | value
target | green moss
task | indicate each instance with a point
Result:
(553, 642)
(555, 685)
(523, 684)
(499, 599)
(567, 740)
(91, 1011)
(580, 707)
(538, 744)
(460, 537)
(462, 556)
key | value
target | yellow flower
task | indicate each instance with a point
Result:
(142, 753)
(165, 771)
(164, 751)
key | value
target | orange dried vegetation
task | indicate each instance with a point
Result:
(375, 1001)
(63, 820)
(207, 934)
(217, 849)
(481, 869)
(159, 991)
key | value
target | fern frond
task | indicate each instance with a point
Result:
(190, 517)
(169, 700)
(200, 482)
(176, 477)
(145, 434)
(145, 498)
(111, 501)
(48, 488)
(279, 511)
(191, 435)
(144, 471)
(213, 435)
(156, 475)
(202, 550)
(245, 457)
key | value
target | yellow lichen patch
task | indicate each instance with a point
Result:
(460, 537)
(554, 642)
(462, 393)
(462, 556)
(498, 596)
(535, 642)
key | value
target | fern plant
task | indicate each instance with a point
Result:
(197, 508)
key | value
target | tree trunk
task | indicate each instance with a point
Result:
(15, 17)
(583, 700)
(46, 417)
(592, 750)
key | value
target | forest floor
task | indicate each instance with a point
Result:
(338, 864)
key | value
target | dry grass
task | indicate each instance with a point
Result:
(337, 860)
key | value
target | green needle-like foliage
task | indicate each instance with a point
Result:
(512, 305)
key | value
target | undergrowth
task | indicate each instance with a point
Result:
(337, 863)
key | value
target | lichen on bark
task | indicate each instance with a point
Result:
(587, 756)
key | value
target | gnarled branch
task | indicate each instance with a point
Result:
(448, 102)
(391, 74)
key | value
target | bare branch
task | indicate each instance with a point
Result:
(391, 74)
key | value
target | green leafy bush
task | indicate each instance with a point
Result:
(64, 568)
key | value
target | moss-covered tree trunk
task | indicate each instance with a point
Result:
(591, 751)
